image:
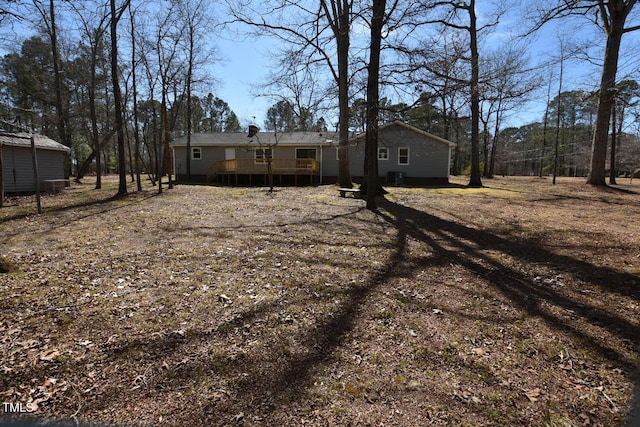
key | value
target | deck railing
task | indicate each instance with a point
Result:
(256, 167)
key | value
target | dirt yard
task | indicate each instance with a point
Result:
(517, 304)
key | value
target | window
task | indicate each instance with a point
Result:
(263, 154)
(196, 153)
(383, 153)
(306, 153)
(403, 156)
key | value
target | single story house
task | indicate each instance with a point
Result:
(16, 163)
(406, 155)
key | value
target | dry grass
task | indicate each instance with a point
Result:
(515, 304)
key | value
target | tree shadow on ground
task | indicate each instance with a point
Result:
(468, 247)
(287, 377)
(267, 382)
(132, 196)
(99, 206)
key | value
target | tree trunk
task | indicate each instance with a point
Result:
(475, 180)
(558, 114)
(456, 151)
(343, 41)
(168, 158)
(160, 156)
(373, 103)
(60, 111)
(492, 158)
(95, 135)
(117, 100)
(130, 154)
(544, 131)
(82, 170)
(597, 170)
(612, 162)
(189, 77)
(485, 148)
(134, 83)
(36, 174)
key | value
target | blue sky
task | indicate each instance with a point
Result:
(246, 63)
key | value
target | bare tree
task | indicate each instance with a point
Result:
(93, 32)
(373, 98)
(48, 15)
(559, 112)
(116, 14)
(544, 129)
(338, 14)
(627, 94)
(195, 16)
(164, 62)
(444, 74)
(322, 33)
(150, 128)
(134, 83)
(505, 80)
(611, 16)
(461, 16)
(474, 180)
(62, 116)
(471, 28)
(299, 85)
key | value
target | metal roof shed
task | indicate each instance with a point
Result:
(17, 164)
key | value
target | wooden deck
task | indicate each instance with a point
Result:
(229, 171)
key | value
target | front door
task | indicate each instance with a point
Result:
(229, 153)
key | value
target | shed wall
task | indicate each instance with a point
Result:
(18, 168)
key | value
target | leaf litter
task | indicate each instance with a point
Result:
(217, 306)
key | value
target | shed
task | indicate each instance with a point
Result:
(17, 162)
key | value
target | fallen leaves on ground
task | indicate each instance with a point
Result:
(515, 304)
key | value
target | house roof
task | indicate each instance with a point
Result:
(231, 139)
(234, 139)
(23, 139)
(398, 123)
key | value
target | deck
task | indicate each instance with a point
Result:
(253, 172)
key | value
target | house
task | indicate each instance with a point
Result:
(234, 158)
(16, 161)
(406, 155)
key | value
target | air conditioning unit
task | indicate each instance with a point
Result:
(395, 178)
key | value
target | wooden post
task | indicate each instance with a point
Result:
(36, 175)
